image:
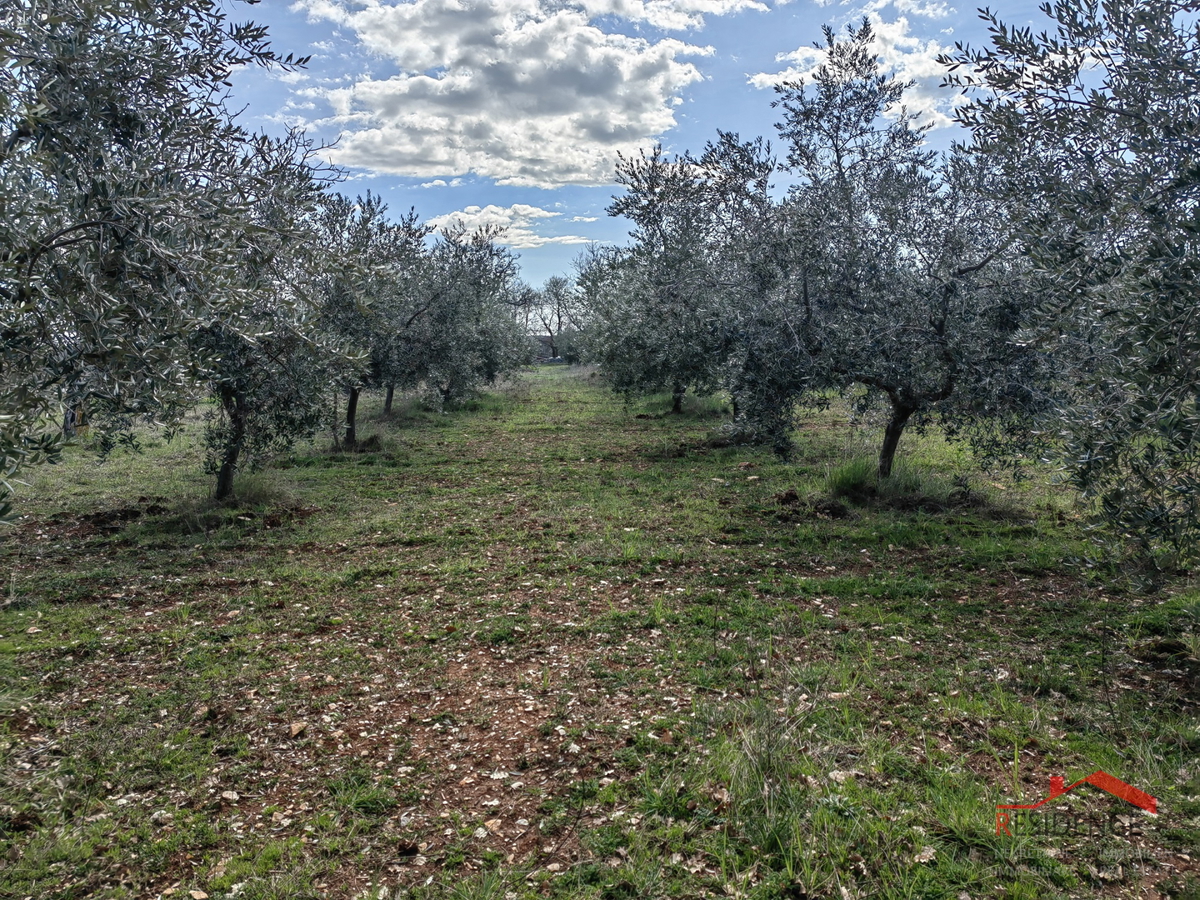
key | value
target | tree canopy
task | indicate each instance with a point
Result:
(1096, 128)
(127, 197)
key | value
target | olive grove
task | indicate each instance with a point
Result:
(152, 249)
(886, 271)
(1033, 289)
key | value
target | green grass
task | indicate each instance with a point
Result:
(554, 644)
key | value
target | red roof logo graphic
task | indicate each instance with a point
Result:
(1100, 779)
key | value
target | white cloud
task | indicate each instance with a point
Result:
(669, 14)
(518, 222)
(928, 10)
(585, 218)
(293, 114)
(902, 53)
(525, 92)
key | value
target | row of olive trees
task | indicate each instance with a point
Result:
(1037, 286)
(433, 313)
(886, 268)
(352, 300)
(150, 248)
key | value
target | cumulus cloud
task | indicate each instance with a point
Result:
(669, 14)
(518, 221)
(929, 10)
(289, 77)
(906, 55)
(526, 92)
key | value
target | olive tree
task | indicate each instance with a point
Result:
(125, 191)
(746, 240)
(653, 308)
(368, 302)
(268, 371)
(901, 276)
(470, 334)
(1095, 127)
(709, 256)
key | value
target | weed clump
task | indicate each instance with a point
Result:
(907, 489)
(854, 480)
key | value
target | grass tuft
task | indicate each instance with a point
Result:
(857, 479)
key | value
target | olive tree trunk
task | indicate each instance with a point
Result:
(901, 413)
(352, 417)
(235, 409)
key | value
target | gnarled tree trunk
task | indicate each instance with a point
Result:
(901, 413)
(387, 401)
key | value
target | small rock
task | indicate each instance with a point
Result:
(198, 895)
(481, 833)
(297, 728)
(843, 777)
(231, 796)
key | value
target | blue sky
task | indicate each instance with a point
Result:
(512, 112)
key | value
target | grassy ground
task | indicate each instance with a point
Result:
(550, 645)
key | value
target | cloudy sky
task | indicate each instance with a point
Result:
(512, 112)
